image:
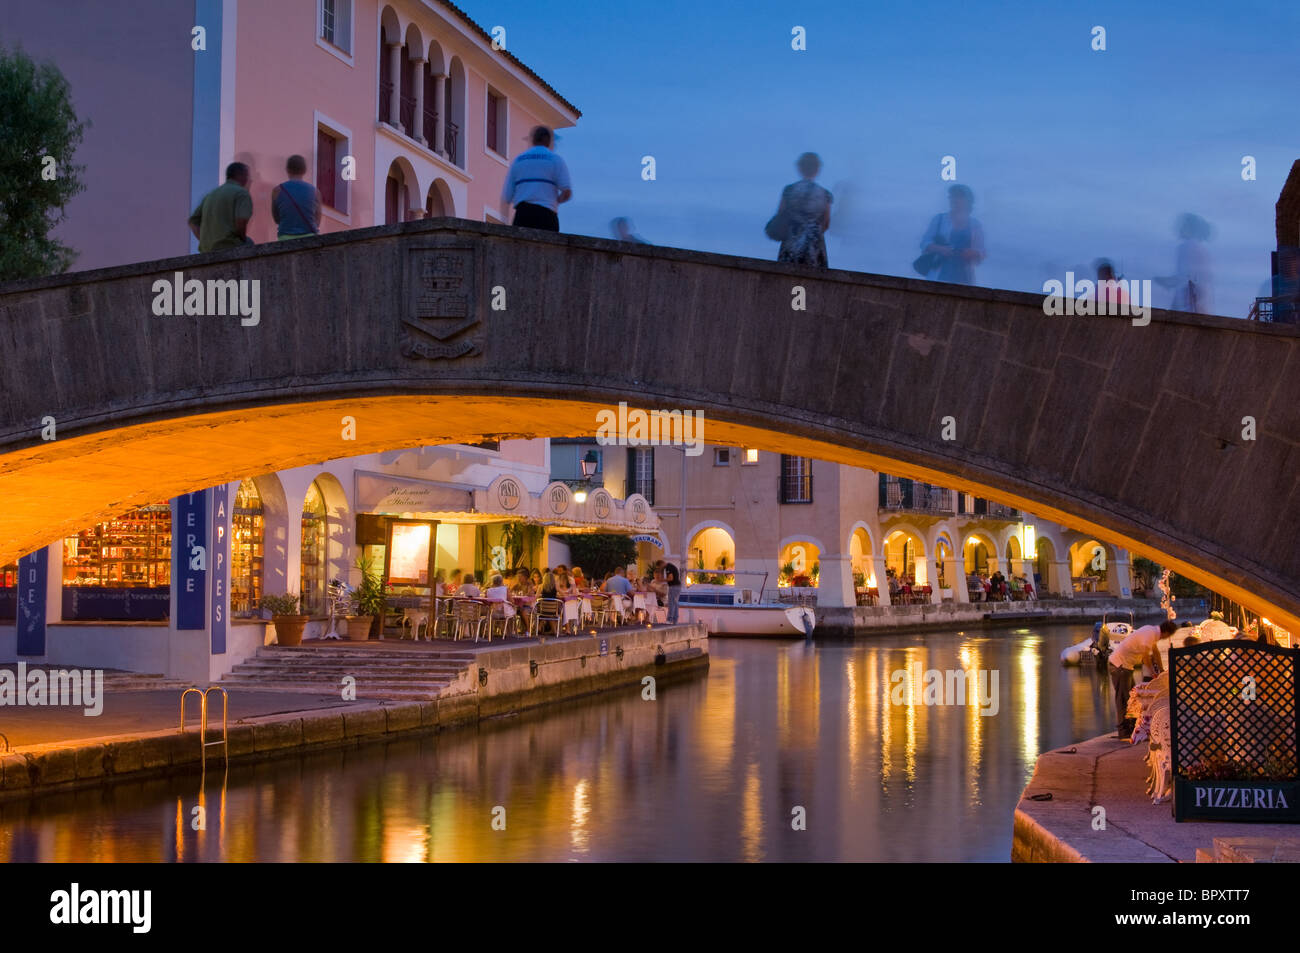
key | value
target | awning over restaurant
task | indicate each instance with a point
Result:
(557, 506)
(507, 499)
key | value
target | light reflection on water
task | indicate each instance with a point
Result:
(714, 769)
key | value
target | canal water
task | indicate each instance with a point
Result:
(722, 766)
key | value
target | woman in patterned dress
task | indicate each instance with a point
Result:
(808, 206)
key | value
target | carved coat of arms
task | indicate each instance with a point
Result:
(440, 303)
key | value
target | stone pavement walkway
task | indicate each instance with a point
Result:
(1112, 774)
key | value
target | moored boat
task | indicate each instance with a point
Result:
(734, 610)
(1096, 648)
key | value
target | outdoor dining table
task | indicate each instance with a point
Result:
(576, 608)
(618, 603)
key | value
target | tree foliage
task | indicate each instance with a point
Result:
(599, 553)
(1147, 573)
(39, 134)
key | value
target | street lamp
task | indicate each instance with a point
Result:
(589, 464)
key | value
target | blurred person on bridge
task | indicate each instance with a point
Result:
(537, 184)
(1107, 290)
(295, 203)
(803, 217)
(1191, 282)
(221, 218)
(953, 244)
(625, 232)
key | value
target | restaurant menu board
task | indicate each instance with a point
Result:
(408, 563)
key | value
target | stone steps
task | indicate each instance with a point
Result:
(1250, 850)
(123, 681)
(380, 672)
(342, 668)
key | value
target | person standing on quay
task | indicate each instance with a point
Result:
(221, 218)
(805, 213)
(1137, 649)
(673, 580)
(537, 184)
(295, 203)
(955, 240)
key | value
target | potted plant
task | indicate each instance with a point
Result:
(370, 601)
(285, 615)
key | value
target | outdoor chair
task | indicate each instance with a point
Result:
(504, 615)
(444, 620)
(547, 610)
(470, 617)
(601, 610)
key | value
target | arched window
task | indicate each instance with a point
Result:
(434, 206)
(248, 534)
(398, 194)
(314, 535)
(454, 113)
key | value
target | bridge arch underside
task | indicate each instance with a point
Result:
(54, 488)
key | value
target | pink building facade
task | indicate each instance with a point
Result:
(402, 109)
(413, 93)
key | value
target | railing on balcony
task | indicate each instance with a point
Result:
(968, 505)
(385, 101)
(452, 142)
(1284, 309)
(908, 495)
(408, 115)
(430, 128)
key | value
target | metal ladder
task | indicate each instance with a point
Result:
(203, 772)
(203, 720)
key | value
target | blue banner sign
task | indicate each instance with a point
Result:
(32, 571)
(191, 560)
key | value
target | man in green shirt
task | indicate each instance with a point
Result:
(221, 219)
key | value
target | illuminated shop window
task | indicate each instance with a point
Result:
(248, 531)
(313, 552)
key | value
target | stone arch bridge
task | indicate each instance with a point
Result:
(452, 331)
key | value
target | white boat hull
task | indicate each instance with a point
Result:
(774, 621)
(1075, 654)
(1080, 652)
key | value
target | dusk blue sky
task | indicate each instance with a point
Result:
(1073, 154)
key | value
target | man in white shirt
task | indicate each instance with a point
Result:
(537, 184)
(1140, 645)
